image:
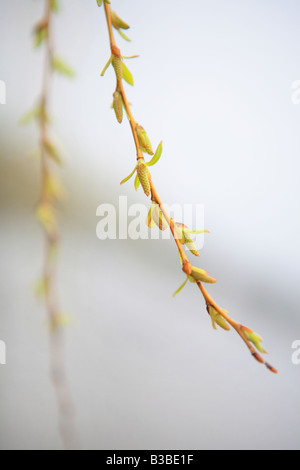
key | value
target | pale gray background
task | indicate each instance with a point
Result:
(214, 82)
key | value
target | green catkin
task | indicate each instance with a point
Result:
(144, 177)
(117, 65)
(118, 106)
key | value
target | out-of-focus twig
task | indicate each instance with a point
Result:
(51, 193)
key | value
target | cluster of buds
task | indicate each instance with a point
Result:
(119, 25)
(216, 318)
(41, 31)
(183, 234)
(143, 176)
(254, 338)
(122, 72)
(196, 275)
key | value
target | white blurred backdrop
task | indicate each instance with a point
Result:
(214, 82)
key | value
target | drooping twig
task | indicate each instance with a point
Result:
(51, 192)
(142, 144)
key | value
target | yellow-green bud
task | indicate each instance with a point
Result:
(254, 338)
(217, 318)
(144, 140)
(118, 106)
(155, 215)
(144, 176)
(117, 65)
(117, 22)
(198, 274)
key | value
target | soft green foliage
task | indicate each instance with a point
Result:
(59, 66)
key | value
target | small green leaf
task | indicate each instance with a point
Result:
(255, 339)
(106, 65)
(201, 275)
(198, 232)
(181, 287)
(189, 243)
(123, 35)
(117, 22)
(99, 3)
(149, 221)
(54, 188)
(40, 34)
(217, 318)
(136, 182)
(58, 65)
(129, 176)
(31, 115)
(41, 287)
(46, 216)
(127, 74)
(52, 151)
(156, 156)
(135, 56)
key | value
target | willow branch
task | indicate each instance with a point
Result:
(186, 265)
(133, 124)
(46, 214)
